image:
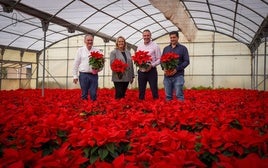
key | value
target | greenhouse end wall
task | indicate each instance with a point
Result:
(216, 61)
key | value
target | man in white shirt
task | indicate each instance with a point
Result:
(88, 79)
(150, 75)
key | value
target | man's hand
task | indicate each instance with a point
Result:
(131, 81)
(149, 67)
(170, 72)
(75, 81)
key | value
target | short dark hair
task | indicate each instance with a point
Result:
(174, 32)
(146, 30)
(88, 34)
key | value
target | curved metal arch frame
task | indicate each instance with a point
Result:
(227, 30)
(258, 33)
(219, 14)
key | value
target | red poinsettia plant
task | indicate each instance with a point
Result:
(230, 130)
(96, 60)
(142, 59)
(169, 61)
(119, 67)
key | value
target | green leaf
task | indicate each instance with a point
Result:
(154, 124)
(198, 147)
(110, 147)
(103, 153)
(47, 151)
(208, 158)
(227, 153)
(86, 151)
(124, 147)
(114, 155)
(93, 159)
(93, 150)
(62, 133)
(236, 124)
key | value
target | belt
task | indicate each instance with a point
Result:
(153, 68)
(90, 73)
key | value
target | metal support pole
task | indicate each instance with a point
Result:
(45, 28)
(252, 70)
(68, 58)
(37, 69)
(264, 77)
(213, 62)
(104, 52)
(20, 70)
(1, 58)
(257, 72)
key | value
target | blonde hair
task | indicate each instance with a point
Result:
(116, 42)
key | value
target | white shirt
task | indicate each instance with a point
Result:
(154, 51)
(81, 61)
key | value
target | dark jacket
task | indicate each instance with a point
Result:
(184, 59)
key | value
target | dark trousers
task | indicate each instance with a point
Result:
(151, 77)
(88, 83)
(120, 89)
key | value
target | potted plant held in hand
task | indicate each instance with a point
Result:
(119, 67)
(169, 62)
(96, 61)
(142, 59)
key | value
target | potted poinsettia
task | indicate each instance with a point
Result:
(142, 59)
(96, 60)
(169, 61)
(119, 67)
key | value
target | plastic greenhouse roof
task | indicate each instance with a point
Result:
(22, 21)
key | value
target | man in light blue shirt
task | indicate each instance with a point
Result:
(150, 75)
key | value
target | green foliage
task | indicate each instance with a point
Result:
(263, 130)
(96, 63)
(252, 149)
(208, 158)
(48, 147)
(62, 134)
(170, 65)
(197, 147)
(1, 150)
(235, 124)
(154, 123)
(93, 112)
(201, 88)
(107, 152)
(198, 127)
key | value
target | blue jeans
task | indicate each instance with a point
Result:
(88, 83)
(172, 84)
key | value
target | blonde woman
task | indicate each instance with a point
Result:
(121, 53)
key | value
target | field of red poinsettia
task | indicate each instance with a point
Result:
(225, 128)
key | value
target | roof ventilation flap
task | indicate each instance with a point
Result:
(7, 9)
(70, 29)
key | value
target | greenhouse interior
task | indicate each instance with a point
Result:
(226, 40)
(221, 122)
